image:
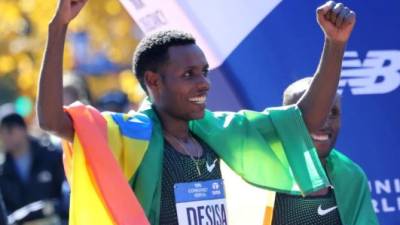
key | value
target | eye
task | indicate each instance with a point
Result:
(205, 72)
(187, 74)
(335, 112)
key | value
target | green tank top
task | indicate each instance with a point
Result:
(312, 210)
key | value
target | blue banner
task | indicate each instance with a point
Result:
(286, 46)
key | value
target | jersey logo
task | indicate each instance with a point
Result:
(211, 167)
(323, 212)
(378, 73)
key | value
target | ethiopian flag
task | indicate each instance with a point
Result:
(98, 176)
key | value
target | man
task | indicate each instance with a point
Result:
(30, 173)
(349, 183)
(177, 142)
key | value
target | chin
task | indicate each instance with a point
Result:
(323, 153)
(197, 115)
(323, 147)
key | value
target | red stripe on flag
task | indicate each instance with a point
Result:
(118, 196)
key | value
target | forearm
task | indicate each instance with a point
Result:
(51, 115)
(316, 102)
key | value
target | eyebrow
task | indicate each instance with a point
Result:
(205, 66)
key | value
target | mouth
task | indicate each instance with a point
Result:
(321, 137)
(198, 100)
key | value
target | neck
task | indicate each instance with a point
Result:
(323, 161)
(176, 127)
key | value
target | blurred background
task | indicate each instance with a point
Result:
(97, 71)
(97, 58)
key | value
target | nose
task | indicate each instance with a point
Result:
(327, 123)
(203, 83)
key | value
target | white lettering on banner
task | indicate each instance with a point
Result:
(379, 73)
(138, 4)
(386, 198)
(208, 20)
(152, 21)
(382, 186)
(386, 205)
(387, 186)
(397, 185)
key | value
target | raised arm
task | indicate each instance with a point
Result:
(337, 22)
(50, 111)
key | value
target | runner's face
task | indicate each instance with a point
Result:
(184, 84)
(325, 138)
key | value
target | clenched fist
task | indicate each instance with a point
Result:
(336, 21)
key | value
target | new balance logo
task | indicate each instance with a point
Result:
(378, 73)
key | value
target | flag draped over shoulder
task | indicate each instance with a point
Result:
(270, 149)
(100, 193)
(351, 190)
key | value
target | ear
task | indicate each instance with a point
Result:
(152, 81)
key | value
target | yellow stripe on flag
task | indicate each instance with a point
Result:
(85, 198)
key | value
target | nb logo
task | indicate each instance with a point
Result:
(378, 73)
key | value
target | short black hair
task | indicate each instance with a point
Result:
(296, 90)
(151, 52)
(12, 120)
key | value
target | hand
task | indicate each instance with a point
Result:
(68, 10)
(336, 21)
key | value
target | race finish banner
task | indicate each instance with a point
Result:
(256, 48)
(203, 19)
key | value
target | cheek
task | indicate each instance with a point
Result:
(172, 97)
(178, 92)
(18, 136)
(173, 101)
(7, 140)
(336, 125)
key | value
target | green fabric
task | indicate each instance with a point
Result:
(351, 190)
(270, 149)
(147, 181)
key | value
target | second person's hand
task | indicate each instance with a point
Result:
(336, 20)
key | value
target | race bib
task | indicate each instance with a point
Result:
(201, 203)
